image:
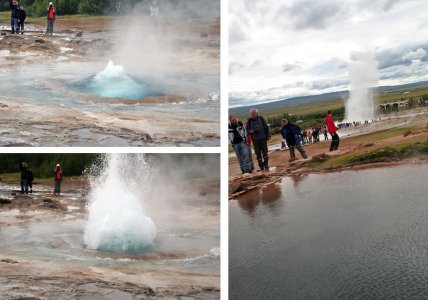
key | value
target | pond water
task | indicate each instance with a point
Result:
(345, 235)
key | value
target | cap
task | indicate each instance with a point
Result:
(50, 3)
(57, 165)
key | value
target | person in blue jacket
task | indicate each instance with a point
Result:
(291, 134)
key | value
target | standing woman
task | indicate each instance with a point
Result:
(50, 14)
(58, 178)
(331, 127)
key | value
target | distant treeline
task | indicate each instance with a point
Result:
(37, 8)
(43, 165)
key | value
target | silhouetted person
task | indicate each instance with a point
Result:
(58, 179)
(30, 179)
(21, 18)
(331, 127)
(291, 134)
(260, 135)
(24, 177)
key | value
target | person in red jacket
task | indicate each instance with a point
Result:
(50, 15)
(58, 179)
(331, 127)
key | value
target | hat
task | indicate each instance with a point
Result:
(57, 165)
(50, 3)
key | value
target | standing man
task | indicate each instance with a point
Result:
(331, 127)
(24, 177)
(30, 179)
(50, 15)
(14, 16)
(58, 179)
(238, 140)
(291, 134)
(260, 135)
(22, 17)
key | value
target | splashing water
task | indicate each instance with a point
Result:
(115, 82)
(117, 221)
(364, 78)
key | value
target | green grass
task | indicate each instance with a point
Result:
(15, 178)
(384, 154)
(5, 17)
(386, 134)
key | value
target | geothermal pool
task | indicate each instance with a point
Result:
(130, 232)
(345, 235)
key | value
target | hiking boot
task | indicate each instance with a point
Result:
(292, 159)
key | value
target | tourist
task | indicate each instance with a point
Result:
(24, 177)
(325, 134)
(58, 179)
(331, 127)
(21, 18)
(238, 140)
(291, 134)
(30, 179)
(260, 135)
(14, 16)
(309, 136)
(50, 15)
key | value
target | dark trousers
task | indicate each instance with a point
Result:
(334, 142)
(57, 189)
(49, 28)
(300, 149)
(21, 25)
(261, 149)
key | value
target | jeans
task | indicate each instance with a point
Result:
(243, 155)
(14, 24)
(24, 186)
(57, 189)
(261, 149)
(49, 28)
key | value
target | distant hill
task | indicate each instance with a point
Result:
(291, 102)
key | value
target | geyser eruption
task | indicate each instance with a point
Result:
(117, 221)
(115, 82)
(364, 78)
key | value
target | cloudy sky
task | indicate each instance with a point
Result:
(282, 49)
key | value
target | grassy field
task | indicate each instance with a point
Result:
(5, 18)
(15, 178)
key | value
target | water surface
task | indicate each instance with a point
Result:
(345, 235)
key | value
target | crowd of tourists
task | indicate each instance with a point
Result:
(256, 131)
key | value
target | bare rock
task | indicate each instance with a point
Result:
(79, 34)
(235, 187)
(407, 133)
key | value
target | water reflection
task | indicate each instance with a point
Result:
(268, 195)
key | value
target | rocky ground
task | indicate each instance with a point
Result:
(354, 143)
(39, 277)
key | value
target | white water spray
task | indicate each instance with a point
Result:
(117, 221)
(364, 78)
(114, 81)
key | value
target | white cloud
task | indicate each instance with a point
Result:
(415, 55)
(277, 44)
